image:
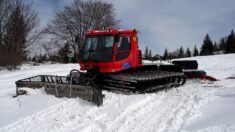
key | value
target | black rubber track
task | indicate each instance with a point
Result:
(144, 81)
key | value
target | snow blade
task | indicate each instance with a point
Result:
(60, 86)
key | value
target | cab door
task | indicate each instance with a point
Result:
(123, 52)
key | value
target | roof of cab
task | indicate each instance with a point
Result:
(111, 32)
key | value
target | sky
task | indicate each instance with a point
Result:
(163, 23)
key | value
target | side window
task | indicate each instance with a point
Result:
(91, 44)
(123, 47)
(109, 41)
(124, 43)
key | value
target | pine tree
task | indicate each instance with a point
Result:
(150, 55)
(165, 56)
(181, 52)
(146, 53)
(34, 59)
(74, 58)
(207, 46)
(222, 44)
(15, 39)
(41, 58)
(64, 53)
(230, 43)
(195, 51)
(215, 47)
(188, 53)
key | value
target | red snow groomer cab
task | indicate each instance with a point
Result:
(110, 51)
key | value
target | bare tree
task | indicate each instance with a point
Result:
(5, 9)
(70, 25)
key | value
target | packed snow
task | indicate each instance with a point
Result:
(195, 106)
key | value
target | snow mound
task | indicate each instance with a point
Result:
(34, 91)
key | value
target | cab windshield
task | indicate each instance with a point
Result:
(97, 48)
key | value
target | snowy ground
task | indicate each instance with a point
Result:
(192, 107)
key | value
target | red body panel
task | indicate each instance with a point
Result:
(132, 61)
